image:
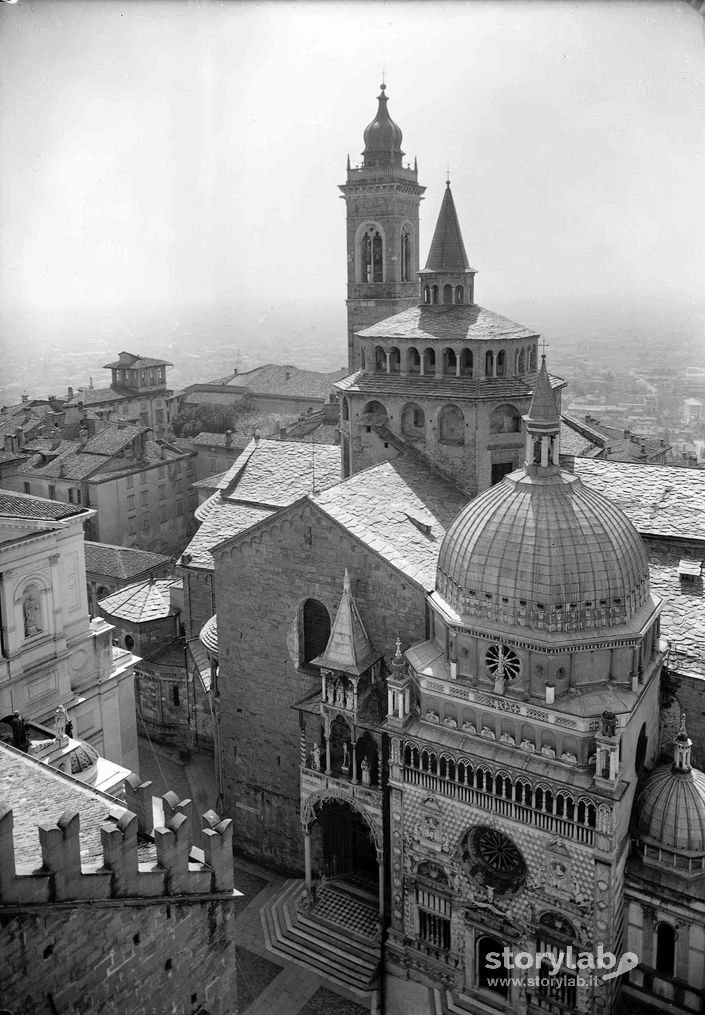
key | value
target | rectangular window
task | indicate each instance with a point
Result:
(175, 695)
(144, 497)
(145, 521)
(162, 492)
(434, 929)
(164, 514)
(130, 481)
(78, 496)
(132, 526)
(70, 493)
(211, 464)
(52, 492)
(131, 502)
(160, 472)
(160, 415)
(179, 507)
(26, 487)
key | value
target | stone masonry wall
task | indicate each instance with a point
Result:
(122, 957)
(262, 582)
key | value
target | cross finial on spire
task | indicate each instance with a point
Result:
(544, 346)
(448, 175)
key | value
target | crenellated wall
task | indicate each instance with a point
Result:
(143, 932)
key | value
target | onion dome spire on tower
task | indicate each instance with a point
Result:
(382, 137)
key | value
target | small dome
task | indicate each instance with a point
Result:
(82, 758)
(548, 550)
(671, 809)
(209, 635)
(382, 137)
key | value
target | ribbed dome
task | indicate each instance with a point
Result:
(544, 550)
(209, 635)
(671, 809)
(82, 758)
(382, 137)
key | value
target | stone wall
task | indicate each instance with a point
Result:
(123, 934)
(262, 581)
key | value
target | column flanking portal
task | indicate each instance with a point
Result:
(382, 198)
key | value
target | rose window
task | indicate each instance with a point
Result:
(491, 858)
(502, 662)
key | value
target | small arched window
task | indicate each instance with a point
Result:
(346, 410)
(413, 420)
(451, 426)
(665, 949)
(501, 360)
(426, 294)
(459, 294)
(466, 363)
(394, 360)
(532, 359)
(413, 361)
(434, 294)
(489, 364)
(380, 360)
(314, 630)
(406, 254)
(505, 419)
(449, 362)
(522, 362)
(447, 293)
(363, 357)
(429, 361)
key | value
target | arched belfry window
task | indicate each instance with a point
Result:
(315, 630)
(459, 294)
(406, 254)
(489, 364)
(371, 256)
(447, 293)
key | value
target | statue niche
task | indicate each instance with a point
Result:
(32, 612)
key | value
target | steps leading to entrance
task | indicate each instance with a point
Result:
(335, 952)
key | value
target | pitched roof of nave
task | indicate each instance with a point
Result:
(400, 509)
(456, 322)
(660, 500)
(266, 476)
(447, 253)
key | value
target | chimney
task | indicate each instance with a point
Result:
(25, 398)
(70, 393)
(82, 435)
(121, 424)
(19, 434)
(257, 435)
(90, 385)
(282, 433)
(228, 438)
(9, 442)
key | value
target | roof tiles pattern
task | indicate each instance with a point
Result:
(450, 388)
(120, 562)
(150, 600)
(222, 522)
(276, 473)
(451, 323)
(18, 505)
(447, 251)
(401, 510)
(280, 379)
(659, 499)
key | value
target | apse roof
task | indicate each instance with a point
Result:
(458, 322)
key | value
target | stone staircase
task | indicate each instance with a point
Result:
(336, 939)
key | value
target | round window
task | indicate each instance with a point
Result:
(501, 661)
(492, 857)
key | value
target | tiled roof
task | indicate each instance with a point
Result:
(29, 423)
(120, 562)
(20, 505)
(683, 616)
(659, 499)
(149, 600)
(137, 362)
(447, 251)
(113, 439)
(222, 397)
(543, 403)
(450, 388)
(279, 379)
(69, 464)
(223, 521)
(10, 456)
(210, 482)
(452, 323)
(245, 426)
(401, 510)
(276, 473)
(575, 441)
(95, 396)
(113, 467)
(38, 795)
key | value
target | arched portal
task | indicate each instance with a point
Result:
(346, 846)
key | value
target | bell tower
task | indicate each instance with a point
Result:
(382, 197)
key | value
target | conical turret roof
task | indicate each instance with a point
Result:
(544, 410)
(447, 252)
(349, 649)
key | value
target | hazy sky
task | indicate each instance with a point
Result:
(164, 150)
